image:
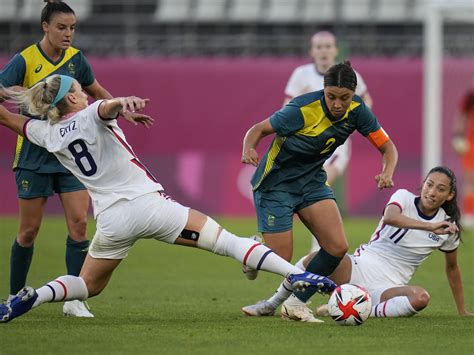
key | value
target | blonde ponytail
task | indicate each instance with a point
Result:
(37, 100)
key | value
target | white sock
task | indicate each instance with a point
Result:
(394, 307)
(254, 254)
(64, 288)
(284, 290)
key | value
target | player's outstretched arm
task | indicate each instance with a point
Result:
(453, 273)
(128, 107)
(11, 120)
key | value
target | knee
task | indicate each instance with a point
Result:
(93, 287)
(78, 228)
(26, 236)
(420, 299)
(338, 249)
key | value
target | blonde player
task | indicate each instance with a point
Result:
(412, 228)
(129, 204)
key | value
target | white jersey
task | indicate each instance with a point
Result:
(97, 153)
(306, 78)
(399, 251)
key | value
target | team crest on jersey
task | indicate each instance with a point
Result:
(25, 184)
(38, 68)
(271, 220)
(71, 69)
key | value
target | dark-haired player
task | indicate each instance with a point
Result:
(291, 179)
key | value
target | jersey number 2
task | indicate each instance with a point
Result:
(80, 153)
(329, 144)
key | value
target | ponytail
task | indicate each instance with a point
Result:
(38, 100)
(52, 7)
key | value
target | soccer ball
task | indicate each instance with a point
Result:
(349, 305)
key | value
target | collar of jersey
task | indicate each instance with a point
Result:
(421, 214)
(61, 57)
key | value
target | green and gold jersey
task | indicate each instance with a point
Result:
(306, 136)
(28, 68)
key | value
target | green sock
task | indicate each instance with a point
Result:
(20, 261)
(75, 255)
(322, 264)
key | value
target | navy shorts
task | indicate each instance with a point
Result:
(275, 209)
(30, 184)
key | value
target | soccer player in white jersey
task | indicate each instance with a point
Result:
(412, 227)
(128, 202)
(310, 77)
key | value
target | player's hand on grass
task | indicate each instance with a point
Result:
(384, 181)
(250, 157)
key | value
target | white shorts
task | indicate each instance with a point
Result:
(149, 216)
(373, 275)
(340, 158)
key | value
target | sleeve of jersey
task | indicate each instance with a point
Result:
(368, 126)
(399, 198)
(87, 75)
(14, 72)
(293, 86)
(451, 244)
(36, 132)
(288, 120)
(361, 86)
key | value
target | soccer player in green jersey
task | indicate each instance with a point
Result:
(290, 179)
(38, 173)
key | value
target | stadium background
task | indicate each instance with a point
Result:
(214, 67)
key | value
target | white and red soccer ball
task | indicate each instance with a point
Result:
(349, 305)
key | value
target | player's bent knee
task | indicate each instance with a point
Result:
(208, 235)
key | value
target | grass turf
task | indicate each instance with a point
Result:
(173, 300)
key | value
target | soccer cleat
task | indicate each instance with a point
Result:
(294, 309)
(301, 282)
(18, 305)
(77, 309)
(323, 310)
(259, 309)
(249, 272)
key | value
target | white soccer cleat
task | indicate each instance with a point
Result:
(250, 273)
(77, 309)
(294, 309)
(260, 309)
(323, 310)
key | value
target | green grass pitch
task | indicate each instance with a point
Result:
(173, 300)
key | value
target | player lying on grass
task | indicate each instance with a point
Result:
(129, 203)
(412, 228)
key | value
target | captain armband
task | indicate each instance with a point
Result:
(378, 138)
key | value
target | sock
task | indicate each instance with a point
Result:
(322, 264)
(64, 288)
(75, 255)
(394, 307)
(254, 254)
(20, 261)
(285, 289)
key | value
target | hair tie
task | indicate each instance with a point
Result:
(64, 87)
